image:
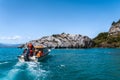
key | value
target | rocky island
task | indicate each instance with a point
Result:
(63, 41)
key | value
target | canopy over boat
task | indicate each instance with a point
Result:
(38, 47)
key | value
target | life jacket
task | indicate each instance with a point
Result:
(39, 54)
(31, 52)
(30, 46)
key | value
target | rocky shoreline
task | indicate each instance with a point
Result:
(63, 41)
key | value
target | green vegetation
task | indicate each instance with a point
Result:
(106, 40)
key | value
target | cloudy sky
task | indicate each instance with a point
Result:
(24, 20)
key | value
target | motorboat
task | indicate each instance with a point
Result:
(45, 51)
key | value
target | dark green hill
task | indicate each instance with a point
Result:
(106, 40)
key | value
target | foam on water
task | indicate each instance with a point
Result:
(62, 65)
(35, 70)
(13, 72)
(31, 69)
(3, 62)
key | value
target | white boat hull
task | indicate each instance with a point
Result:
(21, 58)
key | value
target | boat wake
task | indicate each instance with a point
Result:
(26, 71)
(35, 70)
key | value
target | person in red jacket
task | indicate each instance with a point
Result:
(30, 50)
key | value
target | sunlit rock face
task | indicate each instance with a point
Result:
(115, 28)
(64, 41)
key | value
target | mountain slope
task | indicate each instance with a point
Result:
(109, 39)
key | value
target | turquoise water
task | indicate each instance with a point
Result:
(62, 64)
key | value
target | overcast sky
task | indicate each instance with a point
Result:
(24, 20)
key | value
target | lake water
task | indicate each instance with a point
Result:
(62, 64)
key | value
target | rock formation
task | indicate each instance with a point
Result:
(115, 28)
(64, 41)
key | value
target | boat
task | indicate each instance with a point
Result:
(35, 58)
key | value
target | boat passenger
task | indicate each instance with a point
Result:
(30, 50)
(39, 54)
